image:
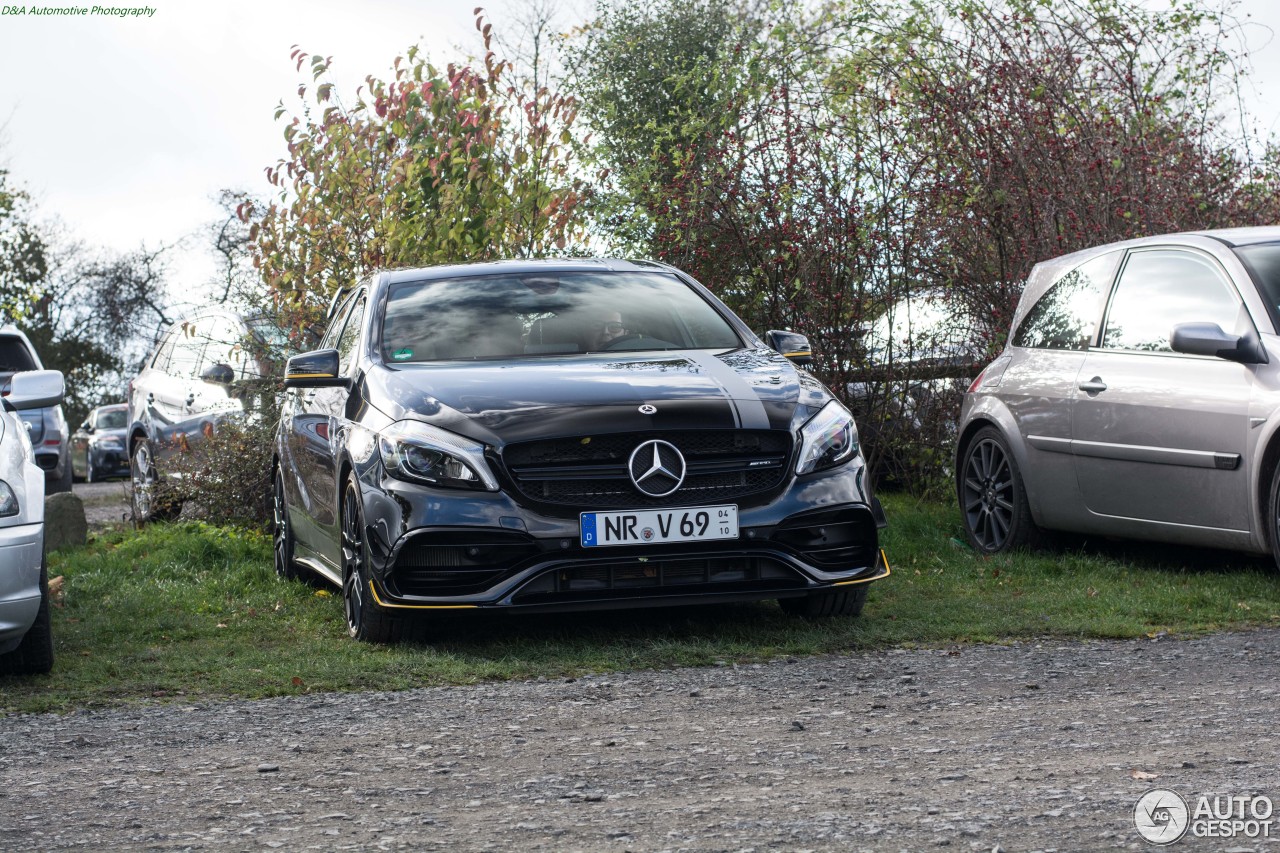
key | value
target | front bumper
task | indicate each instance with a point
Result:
(481, 551)
(21, 549)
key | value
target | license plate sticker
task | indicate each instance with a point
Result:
(658, 526)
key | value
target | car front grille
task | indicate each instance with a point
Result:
(590, 472)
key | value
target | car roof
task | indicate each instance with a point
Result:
(1047, 272)
(517, 267)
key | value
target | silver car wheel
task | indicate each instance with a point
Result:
(142, 472)
(996, 514)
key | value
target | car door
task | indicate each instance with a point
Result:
(314, 416)
(1038, 384)
(1158, 436)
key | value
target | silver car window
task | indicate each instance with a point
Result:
(1066, 315)
(1159, 288)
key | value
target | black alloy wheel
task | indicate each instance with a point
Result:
(365, 619)
(281, 532)
(993, 500)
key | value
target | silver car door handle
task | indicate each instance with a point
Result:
(1093, 386)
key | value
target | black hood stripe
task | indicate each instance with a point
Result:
(749, 411)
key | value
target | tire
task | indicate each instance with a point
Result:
(993, 499)
(847, 601)
(1273, 513)
(34, 655)
(366, 621)
(147, 504)
(282, 531)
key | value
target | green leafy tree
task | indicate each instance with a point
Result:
(431, 166)
(23, 253)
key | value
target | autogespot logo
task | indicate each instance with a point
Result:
(1161, 816)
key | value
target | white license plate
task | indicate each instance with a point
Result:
(656, 526)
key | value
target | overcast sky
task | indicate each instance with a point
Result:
(126, 129)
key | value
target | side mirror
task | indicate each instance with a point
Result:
(316, 369)
(219, 374)
(1209, 339)
(86, 427)
(35, 389)
(793, 345)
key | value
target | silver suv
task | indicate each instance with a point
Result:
(1138, 396)
(47, 426)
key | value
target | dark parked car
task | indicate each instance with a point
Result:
(548, 436)
(98, 450)
(1139, 396)
(207, 367)
(46, 426)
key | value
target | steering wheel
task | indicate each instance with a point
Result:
(630, 336)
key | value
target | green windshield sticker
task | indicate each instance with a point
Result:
(402, 354)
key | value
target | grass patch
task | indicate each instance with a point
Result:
(194, 611)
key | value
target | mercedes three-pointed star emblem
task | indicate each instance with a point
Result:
(656, 468)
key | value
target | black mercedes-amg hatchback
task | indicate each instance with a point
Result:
(563, 435)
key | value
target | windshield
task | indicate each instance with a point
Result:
(14, 356)
(110, 419)
(527, 315)
(1263, 263)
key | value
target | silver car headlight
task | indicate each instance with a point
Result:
(8, 501)
(108, 442)
(421, 453)
(827, 440)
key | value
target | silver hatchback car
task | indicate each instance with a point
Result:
(1138, 396)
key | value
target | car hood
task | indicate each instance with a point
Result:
(545, 397)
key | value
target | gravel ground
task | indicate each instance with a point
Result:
(1032, 746)
(105, 503)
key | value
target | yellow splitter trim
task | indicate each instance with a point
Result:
(887, 571)
(382, 603)
(312, 376)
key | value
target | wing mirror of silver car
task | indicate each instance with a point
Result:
(35, 389)
(793, 345)
(315, 369)
(1209, 339)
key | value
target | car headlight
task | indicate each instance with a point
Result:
(828, 439)
(8, 500)
(109, 442)
(422, 453)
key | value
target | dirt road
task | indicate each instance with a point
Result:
(1024, 747)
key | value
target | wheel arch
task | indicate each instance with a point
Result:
(1264, 473)
(989, 411)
